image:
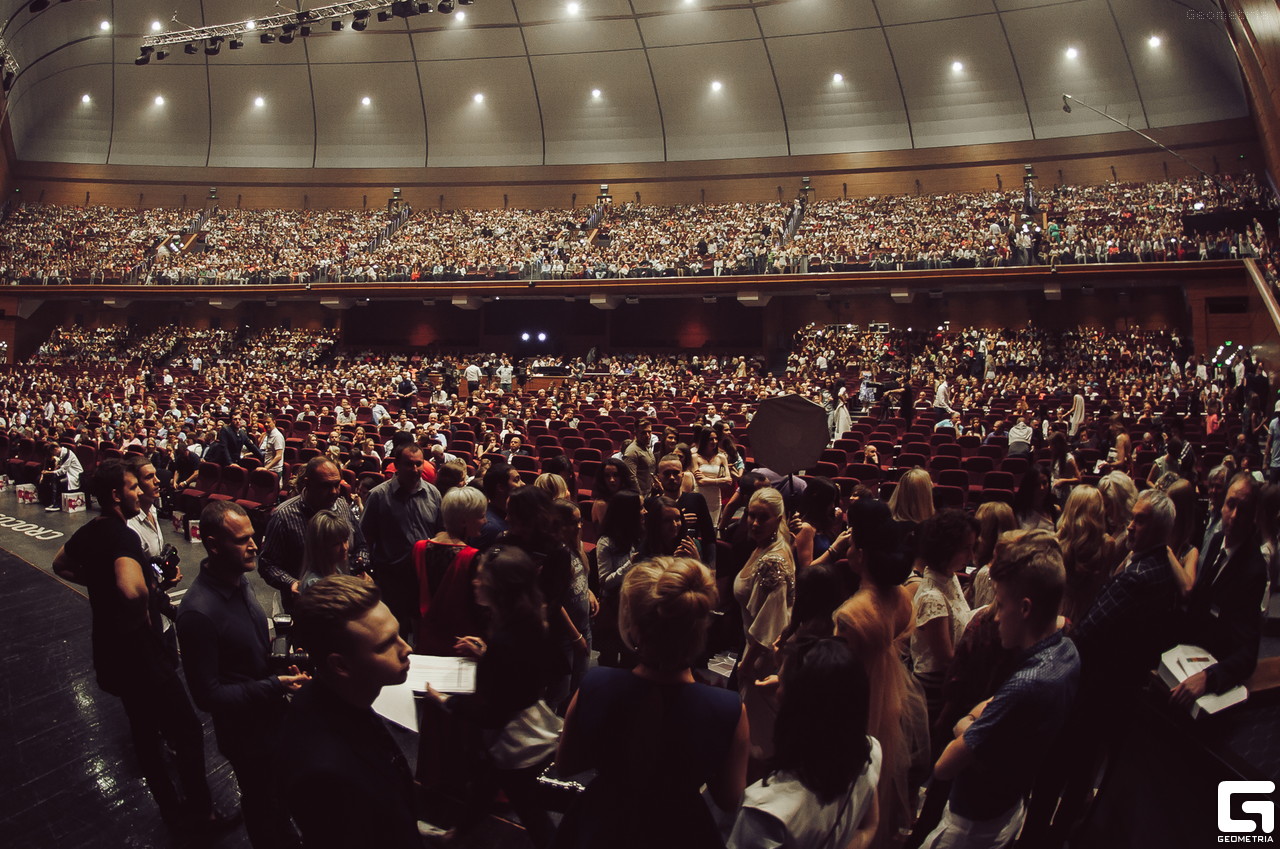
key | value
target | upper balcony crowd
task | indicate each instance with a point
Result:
(1116, 222)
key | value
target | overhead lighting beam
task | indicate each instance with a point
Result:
(237, 29)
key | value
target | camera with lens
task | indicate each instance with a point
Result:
(283, 652)
(166, 564)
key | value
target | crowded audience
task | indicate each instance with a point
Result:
(895, 646)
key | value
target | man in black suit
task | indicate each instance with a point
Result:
(234, 438)
(1224, 610)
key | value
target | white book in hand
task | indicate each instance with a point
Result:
(1181, 662)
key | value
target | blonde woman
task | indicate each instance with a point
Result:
(994, 518)
(1118, 495)
(912, 499)
(324, 548)
(765, 590)
(1089, 553)
(553, 484)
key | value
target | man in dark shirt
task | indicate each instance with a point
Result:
(397, 514)
(1000, 744)
(282, 544)
(1224, 609)
(225, 651)
(234, 438)
(129, 651)
(343, 778)
(693, 507)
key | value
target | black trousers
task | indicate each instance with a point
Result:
(247, 746)
(159, 712)
(50, 489)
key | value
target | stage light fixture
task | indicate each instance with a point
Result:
(162, 54)
(445, 7)
(359, 26)
(235, 44)
(383, 16)
(336, 26)
(191, 49)
(524, 337)
(214, 46)
(425, 7)
(404, 8)
(286, 38)
(10, 77)
(304, 30)
(267, 38)
(466, 2)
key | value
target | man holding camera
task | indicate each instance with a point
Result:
(130, 656)
(225, 653)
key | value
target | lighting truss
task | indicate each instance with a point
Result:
(265, 24)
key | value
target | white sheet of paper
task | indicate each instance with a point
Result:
(446, 674)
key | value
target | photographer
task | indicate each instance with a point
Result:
(225, 651)
(61, 474)
(161, 558)
(129, 653)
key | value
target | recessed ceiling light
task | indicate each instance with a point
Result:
(104, 26)
(86, 99)
(365, 101)
(595, 92)
(574, 8)
(957, 66)
(1154, 41)
(1072, 53)
(478, 98)
(159, 100)
(156, 26)
(837, 78)
(716, 86)
(259, 101)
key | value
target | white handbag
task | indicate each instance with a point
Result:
(529, 738)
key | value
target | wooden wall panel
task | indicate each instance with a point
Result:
(1077, 160)
(1254, 27)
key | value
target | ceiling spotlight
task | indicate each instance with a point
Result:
(716, 85)
(156, 26)
(542, 337)
(595, 92)
(304, 30)
(250, 25)
(259, 102)
(104, 26)
(478, 98)
(144, 59)
(460, 16)
(957, 66)
(286, 38)
(444, 7)
(235, 44)
(365, 101)
(162, 54)
(361, 20)
(837, 78)
(1072, 53)
(1154, 41)
(573, 8)
(404, 8)
(267, 38)
(359, 26)
(38, 6)
(383, 16)
(159, 100)
(361, 14)
(524, 337)
(426, 7)
(191, 49)
(466, 2)
(336, 26)
(86, 99)
(214, 46)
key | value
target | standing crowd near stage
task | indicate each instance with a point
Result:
(929, 637)
(1185, 219)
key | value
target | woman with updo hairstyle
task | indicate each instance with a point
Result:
(1118, 495)
(653, 735)
(765, 590)
(821, 787)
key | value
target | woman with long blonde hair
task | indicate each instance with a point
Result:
(994, 518)
(1119, 493)
(1089, 553)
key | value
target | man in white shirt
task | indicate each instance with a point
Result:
(272, 447)
(62, 476)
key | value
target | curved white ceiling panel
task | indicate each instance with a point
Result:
(538, 63)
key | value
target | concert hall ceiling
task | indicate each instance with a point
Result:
(552, 82)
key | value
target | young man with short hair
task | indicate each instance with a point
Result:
(1000, 745)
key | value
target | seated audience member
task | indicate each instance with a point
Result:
(341, 774)
(1001, 743)
(512, 676)
(445, 566)
(1224, 610)
(654, 736)
(821, 786)
(61, 475)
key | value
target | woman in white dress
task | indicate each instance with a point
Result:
(711, 471)
(946, 541)
(841, 421)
